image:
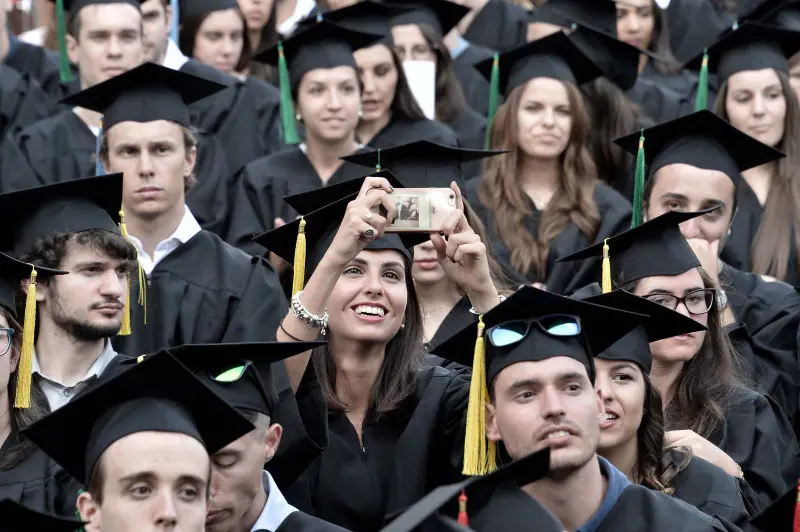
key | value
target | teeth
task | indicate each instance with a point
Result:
(368, 310)
(558, 434)
(610, 417)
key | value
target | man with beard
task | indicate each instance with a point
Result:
(72, 226)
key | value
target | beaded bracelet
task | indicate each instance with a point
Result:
(301, 312)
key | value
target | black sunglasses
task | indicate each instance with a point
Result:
(514, 331)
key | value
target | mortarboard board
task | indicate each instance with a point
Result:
(489, 501)
(12, 271)
(783, 515)
(656, 247)
(146, 93)
(15, 517)
(765, 12)
(441, 15)
(599, 327)
(307, 202)
(190, 9)
(786, 15)
(598, 14)
(422, 163)
(159, 394)
(701, 139)
(366, 16)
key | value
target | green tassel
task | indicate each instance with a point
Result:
(378, 166)
(287, 107)
(63, 59)
(701, 102)
(638, 187)
(494, 92)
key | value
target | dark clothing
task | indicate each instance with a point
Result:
(37, 62)
(499, 25)
(474, 85)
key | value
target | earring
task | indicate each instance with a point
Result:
(402, 325)
(298, 117)
(360, 113)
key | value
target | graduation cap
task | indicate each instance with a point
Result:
(703, 140)
(308, 202)
(15, 517)
(440, 15)
(598, 14)
(366, 16)
(422, 163)
(304, 241)
(751, 46)
(489, 501)
(783, 515)
(190, 9)
(146, 93)
(159, 394)
(534, 325)
(322, 45)
(662, 323)
(786, 15)
(768, 12)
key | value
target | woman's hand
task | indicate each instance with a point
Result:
(463, 257)
(703, 448)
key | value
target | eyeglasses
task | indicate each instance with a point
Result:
(232, 374)
(6, 340)
(514, 331)
(697, 302)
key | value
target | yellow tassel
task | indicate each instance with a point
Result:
(125, 328)
(142, 299)
(299, 258)
(606, 268)
(140, 359)
(25, 369)
(142, 289)
(479, 456)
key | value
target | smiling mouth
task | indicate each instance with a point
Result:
(370, 311)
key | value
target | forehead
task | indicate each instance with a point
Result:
(330, 75)
(88, 252)
(673, 283)
(540, 30)
(224, 18)
(372, 55)
(407, 33)
(602, 365)
(162, 453)
(545, 89)
(634, 3)
(143, 132)
(120, 16)
(693, 182)
(753, 79)
(150, 6)
(544, 371)
(378, 257)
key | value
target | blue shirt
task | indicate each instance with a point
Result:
(461, 45)
(13, 44)
(617, 482)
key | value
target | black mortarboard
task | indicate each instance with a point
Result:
(159, 394)
(554, 56)
(366, 16)
(12, 271)
(786, 15)
(701, 139)
(599, 14)
(656, 247)
(73, 6)
(254, 389)
(441, 15)
(190, 9)
(766, 12)
(422, 163)
(308, 202)
(661, 323)
(783, 515)
(146, 93)
(489, 502)
(15, 517)
(66, 207)
(749, 47)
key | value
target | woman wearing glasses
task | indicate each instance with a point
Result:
(706, 406)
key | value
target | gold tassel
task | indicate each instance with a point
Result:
(25, 369)
(299, 258)
(125, 328)
(142, 299)
(606, 268)
(140, 359)
(479, 456)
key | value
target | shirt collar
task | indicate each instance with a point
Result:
(13, 44)
(185, 231)
(617, 482)
(174, 58)
(461, 45)
(95, 370)
(276, 509)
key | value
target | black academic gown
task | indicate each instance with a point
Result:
(474, 85)
(659, 103)
(302, 522)
(362, 487)
(22, 101)
(566, 277)
(499, 25)
(470, 127)
(401, 131)
(692, 26)
(38, 62)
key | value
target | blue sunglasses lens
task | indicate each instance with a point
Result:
(507, 334)
(561, 326)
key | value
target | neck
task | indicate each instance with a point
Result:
(151, 231)
(255, 39)
(451, 39)
(162, 53)
(643, 59)
(5, 44)
(573, 499)
(357, 367)
(285, 10)
(664, 376)
(624, 457)
(5, 416)
(62, 357)
(760, 174)
(254, 512)
(366, 131)
(540, 174)
(90, 118)
(324, 156)
(441, 294)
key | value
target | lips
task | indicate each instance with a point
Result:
(610, 419)
(554, 434)
(427, 264)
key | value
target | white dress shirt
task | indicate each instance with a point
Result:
(185, 231)
(276, 509)
(301, 10)
(174, 58)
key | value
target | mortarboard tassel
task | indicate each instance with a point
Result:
(98, 164)
(299, 258)
(463, 517)
(378, 166)
(287, 107)
(142, 300)
(173, 30)
(796, 521)
(606, 268)
(25, 368)
(701, 101)
(494, 94)
(63, 60)
(479, 455)
(125, 328)
(638, 187)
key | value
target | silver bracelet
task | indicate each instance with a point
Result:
(500, 297)
(313, 321)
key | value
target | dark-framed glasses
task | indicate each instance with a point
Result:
(6, 339)
(232, 374)
(697, 302)
(514, 331)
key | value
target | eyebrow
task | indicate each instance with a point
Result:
(670, 293)
(622, 365)
(682, 197)
(150, 476)
(383, 265)
(534, 382)
(91, 264)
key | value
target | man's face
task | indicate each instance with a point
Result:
(88, 303)
(156, 19)
(153, 481)
(155, 164)
(680, 187)
(237, 489)
(549, 403)
(109, 43)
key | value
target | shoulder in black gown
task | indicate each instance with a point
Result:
(499, 25)
(302, 522)
(40, 63)
(474, 85)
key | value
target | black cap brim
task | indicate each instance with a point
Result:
(190, 9)
(312, 200)
(14, 517)
(366, 16)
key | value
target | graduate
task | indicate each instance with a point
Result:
(191, 286)
(535, 380)
(543, 199)
(706, 407)
(18, 518)
(141, 444)
(755, 96)
(694, 163)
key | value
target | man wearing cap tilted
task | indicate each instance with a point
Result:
(72, 227)
(140, 443)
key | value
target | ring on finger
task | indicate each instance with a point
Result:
(369, 233)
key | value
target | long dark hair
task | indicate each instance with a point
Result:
(20, 446)
(191, 27)
(450, 100)
(402, 359)
(771, 246)
(659, 43)
(404, 105)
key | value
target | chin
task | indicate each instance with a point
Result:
(674, 351)
(567, 460)
(373, 116)
(427, 277)
(608, 440)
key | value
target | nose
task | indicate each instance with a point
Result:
(228, 48)
(114, 48)
(691, 228)
(548, 118)
(334, 100)
(166, 514)
(368, 82)
(113, 285)
(604, 385)
(146, 167)
(759, 107)
(552, 405)
(372, 284)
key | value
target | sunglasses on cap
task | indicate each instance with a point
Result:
(514, 331)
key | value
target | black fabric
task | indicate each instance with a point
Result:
(470, 127)
(687, 37)
(17, 517)
(401, 131)
(193, 8)
(302, 522)
(499, 25)
(474, 86)
(40, 64)
(658, 101)
(440, 15)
